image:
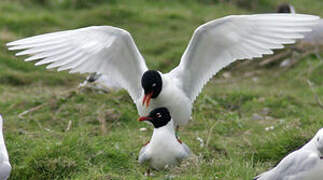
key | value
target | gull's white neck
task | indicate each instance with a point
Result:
(167, 130)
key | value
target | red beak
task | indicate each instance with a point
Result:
(144, 118)
(147, 98)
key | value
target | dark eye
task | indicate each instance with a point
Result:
(158, 115)
(318, 139)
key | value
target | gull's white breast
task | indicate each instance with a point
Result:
(164, 150)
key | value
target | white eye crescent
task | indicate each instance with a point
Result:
(158, 115)
(154, 84)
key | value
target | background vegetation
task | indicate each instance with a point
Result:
(248, 117)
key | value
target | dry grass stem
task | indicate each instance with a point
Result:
(31, 110)
(69, 125)
(318, 100)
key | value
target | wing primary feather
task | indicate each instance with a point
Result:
(40, 50)
(74, 64)
(48, 57)
(61, 61)
(48, 37)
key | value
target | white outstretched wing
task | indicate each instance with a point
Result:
(218, 43)
(104, 49)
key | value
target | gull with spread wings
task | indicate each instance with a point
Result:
(112, 51)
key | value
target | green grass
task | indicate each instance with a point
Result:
(236, 144)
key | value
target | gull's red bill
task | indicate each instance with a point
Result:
(146, 99)
(144, 118)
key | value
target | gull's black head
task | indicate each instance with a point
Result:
(151, 82)
(284, 8)
(159, 117)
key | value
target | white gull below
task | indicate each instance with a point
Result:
(164, 150)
